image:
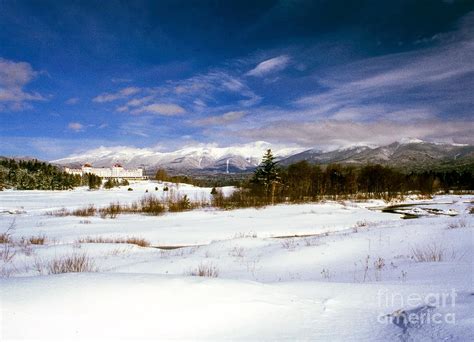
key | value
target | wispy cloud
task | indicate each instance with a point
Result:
(192, 94)
(206, 87)
(425, 93)
(14, 76)
(269, 66)
(166, 109)
(75, 126)
(72, 101)
(139, 102)
(331, 133)
(223, 119)
(434, 81)
(121, 94)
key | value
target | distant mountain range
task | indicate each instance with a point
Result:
(196, 159)
(411, 154)
(414, 154)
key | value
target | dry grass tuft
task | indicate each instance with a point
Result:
(151, 205)
(204, 270)
(37, 240)
(5, 237)
(457, 224)
(130, 240)
(59, 213)
(138, 241)
(237, 252)
(74, 263)
(112, 210)
(148, 205)
(90, 210)
(428, 253)
(289, 244)
(7, 252)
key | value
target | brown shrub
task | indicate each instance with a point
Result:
(150, 205)
(428, 253)
(90, 210)
(5, 237)
(112, 210)
(179, 204)
(60, 212)
(37, 240)
(131, 240)
(205, 271)
(71, 264)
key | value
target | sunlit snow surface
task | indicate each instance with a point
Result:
(322, 285)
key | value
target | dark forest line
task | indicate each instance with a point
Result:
(38, 175)
(304, 182)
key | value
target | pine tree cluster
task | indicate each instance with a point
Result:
(304, 181)
(37, 175)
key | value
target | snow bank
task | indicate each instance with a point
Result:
(123, 306)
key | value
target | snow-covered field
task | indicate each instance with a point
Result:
(323, 271)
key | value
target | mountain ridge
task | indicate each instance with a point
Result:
(400, 154)
(202, 157)
(241, 158)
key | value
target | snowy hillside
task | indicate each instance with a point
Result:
(318, 271)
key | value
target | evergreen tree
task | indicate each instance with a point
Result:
(266, 176)
(33, 174)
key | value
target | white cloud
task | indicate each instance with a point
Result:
(166, 109)
(332, 133)
(223, 119)
(72, 101)
(252, 100)
(14, 76)
(140, 101)
(416, 84)
(270, 65)
(75, 126)
(15, 73)
(205, 88)
(121, 94)
(199, 103)
(122, 109)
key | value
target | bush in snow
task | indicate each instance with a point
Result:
(429, 253)
(131, 240)
(204, 270)
(151, 205)
(74, 263)
(458, 224)
(179, 204)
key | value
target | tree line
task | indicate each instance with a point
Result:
(203, 180)
(303, 181)
(37, 175)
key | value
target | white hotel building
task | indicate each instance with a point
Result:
(116, 171)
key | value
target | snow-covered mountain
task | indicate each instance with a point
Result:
(409, 152)
(212, 158)
(201, 157)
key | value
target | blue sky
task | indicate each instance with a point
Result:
(76, 75)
